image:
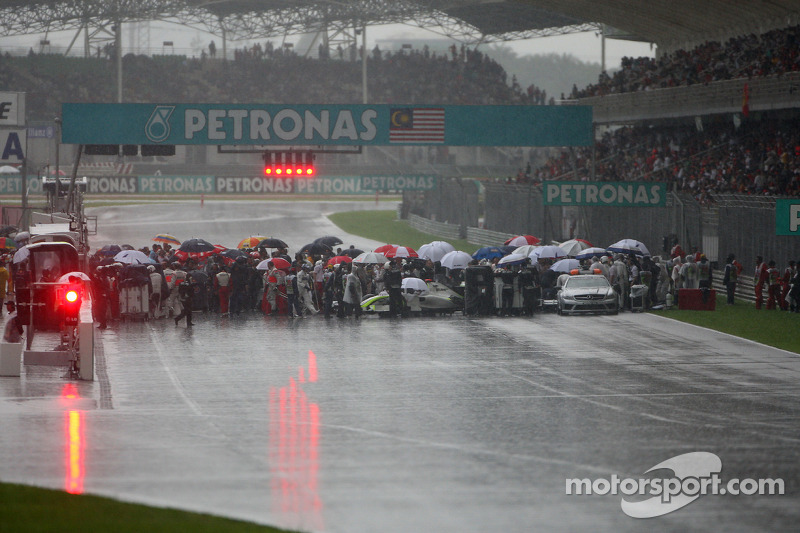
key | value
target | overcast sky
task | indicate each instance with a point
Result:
(584, 46)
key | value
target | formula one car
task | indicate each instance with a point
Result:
(437, 299)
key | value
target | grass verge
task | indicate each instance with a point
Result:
(773, 328)
(385, 227)
(29, 509)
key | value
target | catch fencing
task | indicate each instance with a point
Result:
(733, 224)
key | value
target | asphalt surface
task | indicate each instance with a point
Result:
(448, 424)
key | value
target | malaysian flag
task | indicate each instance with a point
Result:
(416, 125)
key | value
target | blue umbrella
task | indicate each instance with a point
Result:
(489, 252)
(110, 250)
(591, 252)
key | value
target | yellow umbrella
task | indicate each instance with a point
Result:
(250, 242)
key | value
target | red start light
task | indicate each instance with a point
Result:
(71, 296)
(267, 170)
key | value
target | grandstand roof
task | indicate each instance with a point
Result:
(668, 23)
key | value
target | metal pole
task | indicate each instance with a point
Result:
(118, 46)
(364, 62)
(54, 205)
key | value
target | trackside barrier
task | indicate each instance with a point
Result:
(485, 237)
(441, 229)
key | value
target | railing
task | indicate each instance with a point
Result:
(701, 99)
(441, 229)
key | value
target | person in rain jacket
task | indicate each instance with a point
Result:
(186, 296)
(305, 286)
(352, 293)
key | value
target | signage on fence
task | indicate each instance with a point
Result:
(12, 146)
(605, 193)
(398, 183)
(319, 125)
(787, 217)
(12, 109)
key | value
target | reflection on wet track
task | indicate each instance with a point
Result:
(447, 424)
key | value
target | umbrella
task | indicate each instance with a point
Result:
(8, 231)
(232, 254)
(80, 275)
(385, 248)
(340, 259)
(133, 257)
(21, 255)
(414, 285)
(513, 259)
(573, 247)
(526, 249)
(127, 247)
(584, 241)
(370, 258)
(435, 250)
(330, 240)
(167, 239)
(588, 253)
(316, 248)
(280, 264)
(196, 246)
(488, 252)
(401, 251)
(110, 250)
(8, 243)
(522, 240)
(456, 260)
(352, 252)
(566, 265)
(8, 169)
(629, 246)
(251, 242)
(272, 242)
(22, 236)
(547, 252)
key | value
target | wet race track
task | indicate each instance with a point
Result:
(448, 424)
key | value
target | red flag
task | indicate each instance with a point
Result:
(746, 100)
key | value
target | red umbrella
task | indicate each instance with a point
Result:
(340, 259)
(385, 248)
(278, 262)
(522, 240)
(401, 251)
(590, 245)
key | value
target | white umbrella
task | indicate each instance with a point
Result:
(8, 169)
(547, 252)
(402, 251)
(629, 246)
(526, 249)
(414, 284)
(133, 257)
(591, 252)
(435, 250)
(21, 255)
(370, 258)
(456, 260)
(79, 275)
(573, 247)
(566, 265)
(513, 259)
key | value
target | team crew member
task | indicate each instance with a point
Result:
(155, 295)
(786, 284)
(760, 279)
(186, 297)
(732, 271)
(222, 283)
(774, 283)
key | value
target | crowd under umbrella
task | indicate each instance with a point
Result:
(166, 238)
(588, 253)
(133, 257)
(573, 247)
(522, 240)
(456, 260)
(272, 242)
(330, 240)
(566, 265)
(629, 246)
(547, 252)
(370, 258)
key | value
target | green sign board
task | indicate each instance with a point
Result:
(787, 217)
(607, 193)
(315, 125)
